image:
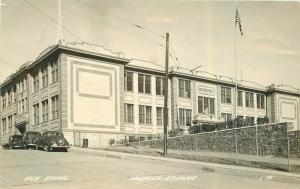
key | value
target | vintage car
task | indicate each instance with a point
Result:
(15, 141)
(31, 139)
(53, 140)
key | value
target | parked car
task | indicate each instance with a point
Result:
(53, 140)
(15, 141)
(31, 139)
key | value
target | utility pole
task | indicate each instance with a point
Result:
(166, 87)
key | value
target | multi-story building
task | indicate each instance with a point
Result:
(92, 93)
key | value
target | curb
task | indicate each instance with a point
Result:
(266, 174)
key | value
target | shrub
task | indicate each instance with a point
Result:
(111, 141)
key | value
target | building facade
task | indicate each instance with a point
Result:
(91, 93)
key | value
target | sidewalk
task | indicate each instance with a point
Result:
(207, 166)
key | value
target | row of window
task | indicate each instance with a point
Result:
(45, 110)
(144, 83)
(44, 71)
(22, 84)
(145, 115)
(7, 122)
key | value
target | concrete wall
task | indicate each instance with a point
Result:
(270, 141)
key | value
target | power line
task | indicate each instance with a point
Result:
(176, 58)
(122, 19)
(108, 25)
(51, 19)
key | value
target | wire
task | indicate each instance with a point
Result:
(176, 58)
(53, 20)
(122, 19)
(108, 25)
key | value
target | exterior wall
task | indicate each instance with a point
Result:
(95, 108)
(287, 108)
(152, 100)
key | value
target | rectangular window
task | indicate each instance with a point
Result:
(260, 101)
(249, 100)
(159, 116)
(54, 107)
(10, 124)
(128, 81)
(206, 105)
(3, 125)
(240, 98)
(185, 117)
(45, 76)
(184, 87)
(145, 115)
(54, 71)
(45, 111)
(36, 82)
(3, 101)
(129, 113)
(144, 83)
(226, 95)
(22, 106)
(15, 94)
(160, 86)
(9, 100)
(226, 117)
(36, 114)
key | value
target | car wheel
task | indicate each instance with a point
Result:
(65, 150)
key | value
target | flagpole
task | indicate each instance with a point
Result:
(235, 54)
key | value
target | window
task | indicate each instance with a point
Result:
(45, 76)
(10, 123)
(240, 98)
(185, 117)
(36, 114)
(3, 125)
(36, 82)
(128, 81)
(9, 100)
(129, 113)
(160, 86)
(15, 94)
(54, 71)
(159, 116)
(144, 83)
(45, 110)
(226, 116)
(184, 88)
(226, 95)
(54, 106)
(260, 101)
(22, 106)
(3, 101)
(206, 105)
(145, 115)
(249, 100)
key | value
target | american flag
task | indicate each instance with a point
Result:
(238, 21)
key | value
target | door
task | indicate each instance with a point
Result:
(77, 139)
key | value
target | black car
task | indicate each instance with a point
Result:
(15, 141)
(31, 139)
(53, 140)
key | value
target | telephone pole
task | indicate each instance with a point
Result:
(166, 87)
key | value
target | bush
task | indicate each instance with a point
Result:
(111, 142)
(175, 132)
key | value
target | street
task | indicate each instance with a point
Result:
(39, 169)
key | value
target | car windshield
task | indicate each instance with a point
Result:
(54, 134)
(16, 138)
(33, 135)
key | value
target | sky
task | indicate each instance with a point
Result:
(202, 33)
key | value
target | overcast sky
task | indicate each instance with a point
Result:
(201, 33)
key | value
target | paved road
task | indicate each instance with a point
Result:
(39, 169)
